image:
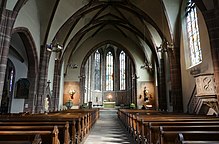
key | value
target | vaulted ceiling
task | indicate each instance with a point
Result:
(72, 22)
(145, 23)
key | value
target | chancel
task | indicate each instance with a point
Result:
(82, 71)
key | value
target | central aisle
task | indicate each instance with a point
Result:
(108, 130)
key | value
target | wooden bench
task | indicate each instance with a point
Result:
(26, 136)
(43, 122)
(144, 124)
(37, 140)
(93, 115)
(193, 139)
(84, 124)
(80, 122)
(150, 130)
(63, 130)
(170, 137)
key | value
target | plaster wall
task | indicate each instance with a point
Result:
(28, 18)
(206, 67)
(81, 52)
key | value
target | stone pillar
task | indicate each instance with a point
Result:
(7, 19)
(42, 81)
(162, 85)
(82, 88)
(56, 84)
(31, 101)
(212, 22)
(175, 77)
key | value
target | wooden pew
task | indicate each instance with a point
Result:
(140, 123)
(150, 129)
(64, 129)
(37, 140)
(165, 135)
(89, 120)
(129, 120)
(195, 139)
(169, 137)
(79, 125)
(12, 135)
(42, 120)
(80, 121)
(86, 122)
(63, 126)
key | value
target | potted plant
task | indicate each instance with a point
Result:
(132, 106)
(69, 104)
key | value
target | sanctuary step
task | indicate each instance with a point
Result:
(108, 129)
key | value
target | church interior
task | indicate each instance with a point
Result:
(75, 59)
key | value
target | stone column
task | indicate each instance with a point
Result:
(175, 77)
(56, 84)
(7, 19)
(31, 101)
(42, 81)
(162, 85)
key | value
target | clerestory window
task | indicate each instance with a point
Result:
(195, 53)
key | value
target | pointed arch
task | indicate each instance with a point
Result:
(33, 68)
(122, 66)
(109, 71)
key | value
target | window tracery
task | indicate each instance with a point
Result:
(193, 34)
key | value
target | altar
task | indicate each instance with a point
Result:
(109, 104)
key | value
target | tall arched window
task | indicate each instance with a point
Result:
(122, 70)
(111, 67)
(193, 34)
(97, 75)
(109, 71)
(11, 74)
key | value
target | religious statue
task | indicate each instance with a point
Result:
(146, 97)
(46, 104)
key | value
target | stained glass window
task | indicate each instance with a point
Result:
(97, 75)
(10, 75)
(193, 34)
(109, 71)
(11, 80)
(122, 70)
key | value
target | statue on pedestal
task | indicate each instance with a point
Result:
(146, 95)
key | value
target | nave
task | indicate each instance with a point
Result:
(108, 126)
(108, 129)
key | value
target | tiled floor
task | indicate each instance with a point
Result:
(108, 130)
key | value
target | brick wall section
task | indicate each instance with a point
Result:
(212, 22)
(7, 20)
(175, 77)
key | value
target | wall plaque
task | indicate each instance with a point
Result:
(205, 85)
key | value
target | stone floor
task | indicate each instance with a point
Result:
(108, 130)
